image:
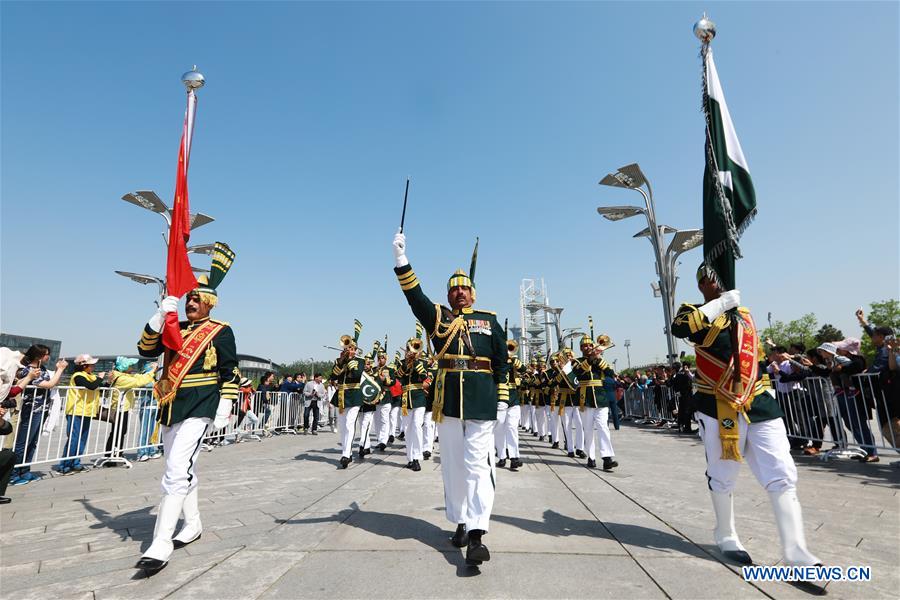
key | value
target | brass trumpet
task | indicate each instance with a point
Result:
(512, 346)
(347, 342)
(604, 342)
(414, 345)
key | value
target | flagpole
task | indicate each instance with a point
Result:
(705, 30)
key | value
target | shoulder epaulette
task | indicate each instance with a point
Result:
(218, 322)
(490, 312)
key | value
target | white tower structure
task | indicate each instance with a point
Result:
(533, 304)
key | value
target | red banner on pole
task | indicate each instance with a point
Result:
(179, 275)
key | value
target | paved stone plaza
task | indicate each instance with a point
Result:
(282, 522)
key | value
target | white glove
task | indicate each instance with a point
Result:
(223, 414)
(714, 308)
(400, 250)
(168, 304)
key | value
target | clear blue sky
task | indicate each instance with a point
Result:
(506, 116)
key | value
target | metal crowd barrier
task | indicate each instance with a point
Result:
(651, 405)
(123, 422)
(857, 418)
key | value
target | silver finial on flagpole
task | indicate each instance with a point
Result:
(193, 79)
(705, 29)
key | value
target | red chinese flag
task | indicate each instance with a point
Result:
(179, 276)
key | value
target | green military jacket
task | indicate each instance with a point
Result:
(517, 371)
(590, 372)
(691, 324)
(413, 377)
(213, 376)
(348, 375)
(429, 394)
(461, 392)
(385, 376)
(567, 385)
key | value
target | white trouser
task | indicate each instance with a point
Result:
(763, 445)
(395, 418)
(526, 416)
(595, 424)
(428, 432)
(500, 430)
(554, 423)
(513, 413)
(346, 429)
(365, 428)
(414, 421)
(467, 468)
(571, 418)
(383, 422)
(404, 420)
(540, 420)
(181, 444)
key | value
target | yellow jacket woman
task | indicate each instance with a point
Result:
(120, 382)
(83, 400)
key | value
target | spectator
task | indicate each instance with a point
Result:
(34, 408)
(884, 388)
(683, 384)
(844, 361)
(82, 405)
(892, 393)
(313, 393)
(245, 409)
(147, 448)
(790, 395)
(123, 379)
(267, 398)
(7, 457)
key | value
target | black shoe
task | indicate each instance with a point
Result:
(5, 500)
(345, 460)
(151, 566)
(609, 463)
(541, 438)
(580, 454)
(514, 463)
(382, 447)
(460, 539)
(179, 544)
(571, 455)
(314, 432)
(426, 455)
(476, 552)
(416, 466)
(402, 436)
(501, 463)
(534, 433)
(555, 445)
(592, 464)
(368, 451)
(739, 556)
(361, 454)
(390, 439)
(409, 465)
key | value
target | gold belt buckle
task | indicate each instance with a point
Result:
(460, 363)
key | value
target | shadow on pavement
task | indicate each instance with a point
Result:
(397, 527)
(125, 524)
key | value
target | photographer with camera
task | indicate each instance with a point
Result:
(888, 382)
(37, 382)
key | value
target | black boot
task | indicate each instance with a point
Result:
(361, 454)
(390, 439)
(416, 466)
(426, 455)
(541, 439)
(592, 464)
(571, 455)
(514, 464)
(367, 451)
(409, 465)
(460, 539)
(402, 436)
(580, 453)
(345, 460)
(476, 552)
(382, 447)
(501, 463)
(609, 463)
(555, 445)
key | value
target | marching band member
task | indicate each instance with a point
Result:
(347, 371)
(470, 348)
(590, 370)
(413, 374)
(506, 431)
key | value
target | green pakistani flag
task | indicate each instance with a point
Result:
(729, 201)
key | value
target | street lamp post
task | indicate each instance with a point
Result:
(631, 177)
(628, 352)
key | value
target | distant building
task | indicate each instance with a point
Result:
(253, 367)
(23, 342)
